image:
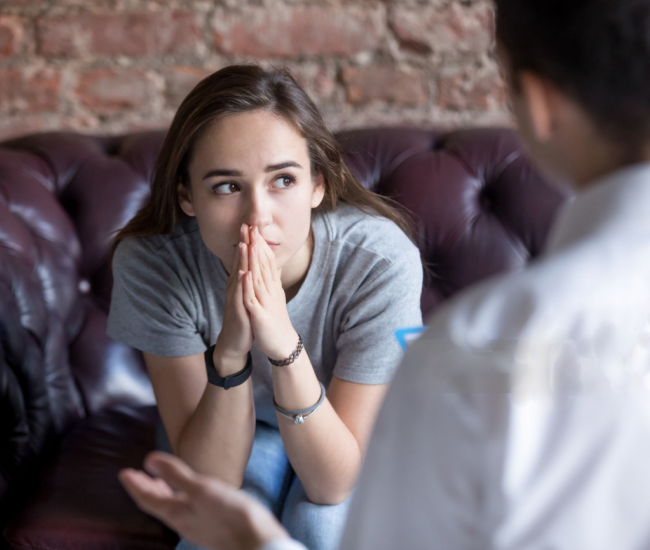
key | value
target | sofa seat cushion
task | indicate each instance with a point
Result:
(78, 502)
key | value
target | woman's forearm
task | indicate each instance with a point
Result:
(323, 451)
(218, 437)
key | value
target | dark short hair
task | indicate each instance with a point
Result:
(595, 51)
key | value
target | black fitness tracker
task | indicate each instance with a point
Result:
(230, 381)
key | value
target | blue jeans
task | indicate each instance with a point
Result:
(270, 478)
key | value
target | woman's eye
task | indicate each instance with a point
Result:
(283, 182)
(225, 188)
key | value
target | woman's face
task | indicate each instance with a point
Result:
(252, 168)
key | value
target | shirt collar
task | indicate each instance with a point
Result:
(614, 204)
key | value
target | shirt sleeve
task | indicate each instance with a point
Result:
(368, 351)
(152, 308)
(431, 461)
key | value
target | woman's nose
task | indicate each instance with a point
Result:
(257, 210)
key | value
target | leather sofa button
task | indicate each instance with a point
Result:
(84, 286)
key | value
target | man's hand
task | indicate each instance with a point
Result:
(201, 509)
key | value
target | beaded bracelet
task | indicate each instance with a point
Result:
(294, 355)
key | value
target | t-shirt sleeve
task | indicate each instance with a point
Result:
(151, 306)
(388, 299)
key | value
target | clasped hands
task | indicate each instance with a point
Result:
(255, 306)
(202, 509)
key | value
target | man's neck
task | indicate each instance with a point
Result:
(605, 159)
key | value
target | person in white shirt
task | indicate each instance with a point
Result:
(521, 418)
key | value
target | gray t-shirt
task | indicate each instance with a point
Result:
(364, 282)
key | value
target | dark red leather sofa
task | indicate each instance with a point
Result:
(75, 406)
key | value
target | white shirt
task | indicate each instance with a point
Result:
(521, 418)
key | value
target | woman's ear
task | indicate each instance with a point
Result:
(185, 200)
(318, 191)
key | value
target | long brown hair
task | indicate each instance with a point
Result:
(238, 89)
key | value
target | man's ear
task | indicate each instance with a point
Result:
(185, 200)
(318, 191)
(542, 101)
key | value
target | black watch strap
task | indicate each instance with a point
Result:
(230, 381)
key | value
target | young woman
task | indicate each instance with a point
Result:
(259, 245)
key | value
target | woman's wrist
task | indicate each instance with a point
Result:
(225, 364)
(284, 346)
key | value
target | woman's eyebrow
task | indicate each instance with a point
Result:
(222, 172)
(282, 165)
(236, 173)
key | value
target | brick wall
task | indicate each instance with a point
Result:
(111, 66)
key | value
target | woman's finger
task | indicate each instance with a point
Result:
(267, 255)
(243, 257)
(265, 266)
(250, 300)
(272, 264)
(234, 267)
(239, 295)
(244, 232)
(255, 270)
(264, 251)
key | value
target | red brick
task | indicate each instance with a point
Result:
(297, 31)
(384, 84)
(11, 3)
(340, 2)
(467, 90)
(318, 81)
(18, 127)
(148, 125)
(127, 33)
(11, 33)
(456, 29)
(109, 90)
(25, 91)
(180, 81)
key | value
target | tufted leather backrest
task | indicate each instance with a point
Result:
(476, 205)
(62, 197)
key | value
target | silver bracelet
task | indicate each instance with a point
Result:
(299, 416)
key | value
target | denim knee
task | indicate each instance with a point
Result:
(268, 474)
(270, 478)
(317, 526)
